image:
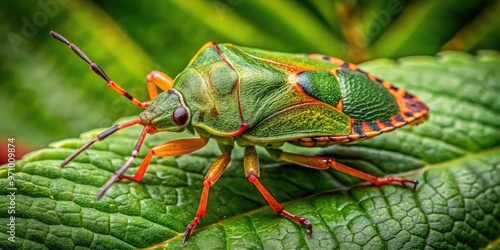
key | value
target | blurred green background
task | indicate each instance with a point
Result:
(48, 93)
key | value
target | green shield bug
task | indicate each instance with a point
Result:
(251, 97)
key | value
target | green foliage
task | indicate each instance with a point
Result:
(455, 156)
(46, 91)
(49, 94)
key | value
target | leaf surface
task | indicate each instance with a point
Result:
(455, 156)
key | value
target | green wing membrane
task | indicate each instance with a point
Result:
(301, 120)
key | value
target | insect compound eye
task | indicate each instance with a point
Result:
(180, 116)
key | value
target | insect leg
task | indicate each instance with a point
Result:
(171, 148)
(251, 163)
(96, 69)
(160, 79)
(178, 147)
(133, 155)
(211, 177)
(324, 163)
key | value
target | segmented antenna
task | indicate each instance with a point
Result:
(97, 70)
(100, 137)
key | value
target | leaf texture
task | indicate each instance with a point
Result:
(455, 156)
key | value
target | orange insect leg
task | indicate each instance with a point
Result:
(160, 79)
(211, 177)
(323, 163)
(251, 164)
(171, 148)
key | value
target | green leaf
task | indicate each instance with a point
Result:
(46, 90)
(455, 156)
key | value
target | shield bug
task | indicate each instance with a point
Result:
(251, 97)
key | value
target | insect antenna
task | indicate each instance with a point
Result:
(101, 137)
(96, 69)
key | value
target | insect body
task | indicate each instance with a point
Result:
(252, 97)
